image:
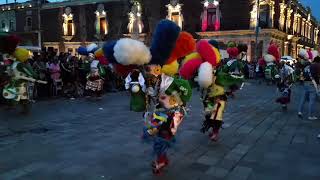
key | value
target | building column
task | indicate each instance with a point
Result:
(294, 49)
(286, 48)
(60, 21)
(249, 53)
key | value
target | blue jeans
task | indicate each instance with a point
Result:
(309, 93)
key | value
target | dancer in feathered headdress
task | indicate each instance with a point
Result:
(284, 78)
(133, 53)
(95, 77)
(214, 79)
(170, 92)
(272, 58)
(21, 73)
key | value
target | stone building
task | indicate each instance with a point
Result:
(22, 19)
(285, 22)
(67, 25)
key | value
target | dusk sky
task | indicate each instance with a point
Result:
(314, 4)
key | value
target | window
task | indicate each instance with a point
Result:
(103, 25)
(211, 17)
(3, 24)
(175, 12)
(69, 29)
(29, 21)
(68, 25)
(101, 22)
(11, 25)
(175, 17)
(264, 16)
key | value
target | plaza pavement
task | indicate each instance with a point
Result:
(100, 140)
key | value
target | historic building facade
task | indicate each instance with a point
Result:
(286, 22)
(64, 26)
(22, 19)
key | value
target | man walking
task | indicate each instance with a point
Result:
(311, 88)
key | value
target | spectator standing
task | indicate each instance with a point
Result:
(311, 88)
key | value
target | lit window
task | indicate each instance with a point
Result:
(103, 25)
(101, 21)
(69, 29)
(174, 12)
(135, 24)
(211, 16)
(68, 25)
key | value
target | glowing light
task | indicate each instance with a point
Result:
(206, 4)
(138, 14)
(174, 13)
(103, 13)
(216, 3)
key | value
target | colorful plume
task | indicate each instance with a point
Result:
(164, 41)
(185, 45)
(189, 69)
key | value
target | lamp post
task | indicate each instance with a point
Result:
(257, 29)
(39, 25)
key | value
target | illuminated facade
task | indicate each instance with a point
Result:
(210, 16)
(67, 25)
(175, 12)
(285, 22)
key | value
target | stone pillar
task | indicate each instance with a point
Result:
(60, 23)
(82, 24)
(249, 53)
(294, 49)
(286, 48)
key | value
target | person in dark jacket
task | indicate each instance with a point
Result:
(311, 88)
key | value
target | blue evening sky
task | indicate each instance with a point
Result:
(314, 4)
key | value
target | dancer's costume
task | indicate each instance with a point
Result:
(21, 73)
(165, 95)
(170, 92)
(231, 75)
(271, 60)
(153, 79)
(214, 79)
(286, 74)
(95, 79)
(163, 123)
(135, 82)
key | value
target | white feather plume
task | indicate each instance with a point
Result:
(303, 54)
(131, 52)
(91, 47)
(268, 58)
(205, 75)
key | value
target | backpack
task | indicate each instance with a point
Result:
(307, 73)
(270, 72)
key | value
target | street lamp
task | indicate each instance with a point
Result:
(257, 29)
(39, 24)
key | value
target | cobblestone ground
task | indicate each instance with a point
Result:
(96, 140)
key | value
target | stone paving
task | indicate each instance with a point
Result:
(97, 140)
